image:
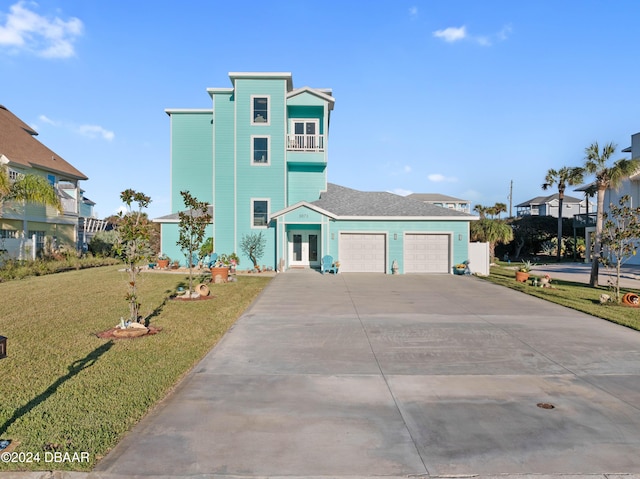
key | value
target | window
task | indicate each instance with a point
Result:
(9, 234)
(51, 179)
(14, 175)
(260, 210)
(260, 147)
(260, 110)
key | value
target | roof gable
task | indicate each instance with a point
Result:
(19, 145)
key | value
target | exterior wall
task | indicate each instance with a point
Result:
(305, 182)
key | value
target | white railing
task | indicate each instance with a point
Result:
(305, 142)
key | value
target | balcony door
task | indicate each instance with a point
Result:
(305, 134)
(304, 249)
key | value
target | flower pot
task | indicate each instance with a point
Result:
(220, 275)
(631, 299)
(521, 276)
(163, 263)
(459, 271)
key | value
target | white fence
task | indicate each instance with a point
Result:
(19, 248)
(479, 258)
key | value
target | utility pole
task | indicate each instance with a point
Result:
(510, 199)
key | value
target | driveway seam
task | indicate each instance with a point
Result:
(384, 378)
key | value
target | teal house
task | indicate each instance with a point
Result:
(259, 157)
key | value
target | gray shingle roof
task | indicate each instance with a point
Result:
(541, 200)
(343, 201)
(175, 217)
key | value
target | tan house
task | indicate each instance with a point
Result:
(22, 153)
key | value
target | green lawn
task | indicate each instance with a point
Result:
(64, 389)
(573, 295)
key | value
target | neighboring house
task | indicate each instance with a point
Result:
(549, 206)
(259, 157)
(443, 200)
(22, 153)
(629, 186)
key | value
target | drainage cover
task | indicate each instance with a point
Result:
(545, 405)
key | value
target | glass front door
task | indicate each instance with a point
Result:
(304, 248)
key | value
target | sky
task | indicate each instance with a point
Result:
(461, 98)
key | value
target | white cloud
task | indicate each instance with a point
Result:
(407, 169)
(451, 34)
(438, 178)
(95, 131)
(45, 119)
(401, 191)
(46, 37)
(413, 12)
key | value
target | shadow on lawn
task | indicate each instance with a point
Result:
(77, 366)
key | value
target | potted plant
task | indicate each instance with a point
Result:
(522, 274)
(220, 270)
(163, 261)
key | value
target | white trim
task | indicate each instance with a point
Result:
(252, 158)
(251, 117)
(251, 213)
(288, 209)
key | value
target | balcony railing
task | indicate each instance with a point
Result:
(586, 220)
(305, 142)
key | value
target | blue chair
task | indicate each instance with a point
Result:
(327, 265)
(212, 260)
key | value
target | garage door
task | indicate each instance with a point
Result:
(362, 253)
(426, 253)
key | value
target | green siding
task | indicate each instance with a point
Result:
(305, 182)
(191, 167)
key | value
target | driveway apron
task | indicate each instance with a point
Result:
(384, 375)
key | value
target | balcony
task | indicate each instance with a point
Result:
(305, 142)
(306, 150)
(585, 220)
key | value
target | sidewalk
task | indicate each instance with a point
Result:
(581, 272)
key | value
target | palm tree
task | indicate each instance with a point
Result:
(596, 162)
(499, 208)
(31, 188)
(565, 176)
(491, 231)
(481, 210)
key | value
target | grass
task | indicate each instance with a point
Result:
(19, 269)
(64, 389)
(578, 296)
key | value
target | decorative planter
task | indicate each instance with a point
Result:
(521, 276)
(220, 275)
(202, 289)
(459, 271)
(631, 299)
(163, 263)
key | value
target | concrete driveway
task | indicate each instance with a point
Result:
(371, 375)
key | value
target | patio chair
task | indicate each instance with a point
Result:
(327, 265)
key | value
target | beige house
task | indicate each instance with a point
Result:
(22, 153)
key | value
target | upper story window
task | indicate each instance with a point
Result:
(14, 175)
(260, 213)
(51, 179)
(260, 110)
(260, 150)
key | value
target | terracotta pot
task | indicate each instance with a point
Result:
(631, 299)
(163, 263)
(521, 276)
(222, 273)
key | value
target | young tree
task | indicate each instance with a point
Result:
(596, 162)
(31, 188)
(491, 231)
(620, 233)
(253, 246)
(565, 176)
(133, 244)
(192, 227)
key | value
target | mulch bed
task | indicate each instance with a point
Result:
(109, 333)
(199, 298)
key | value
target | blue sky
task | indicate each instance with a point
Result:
(446, 96)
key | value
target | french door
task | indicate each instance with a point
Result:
(304, 248)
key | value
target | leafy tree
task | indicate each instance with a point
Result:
(565, 176)
(596, 162)
(253, 246)
(133, 243)
(620, 233)
(192, 226)
(491, 231)
(103, 242)
(532, 231)
(31, 188)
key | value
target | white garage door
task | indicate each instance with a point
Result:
(362, 253)
(426, 253)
